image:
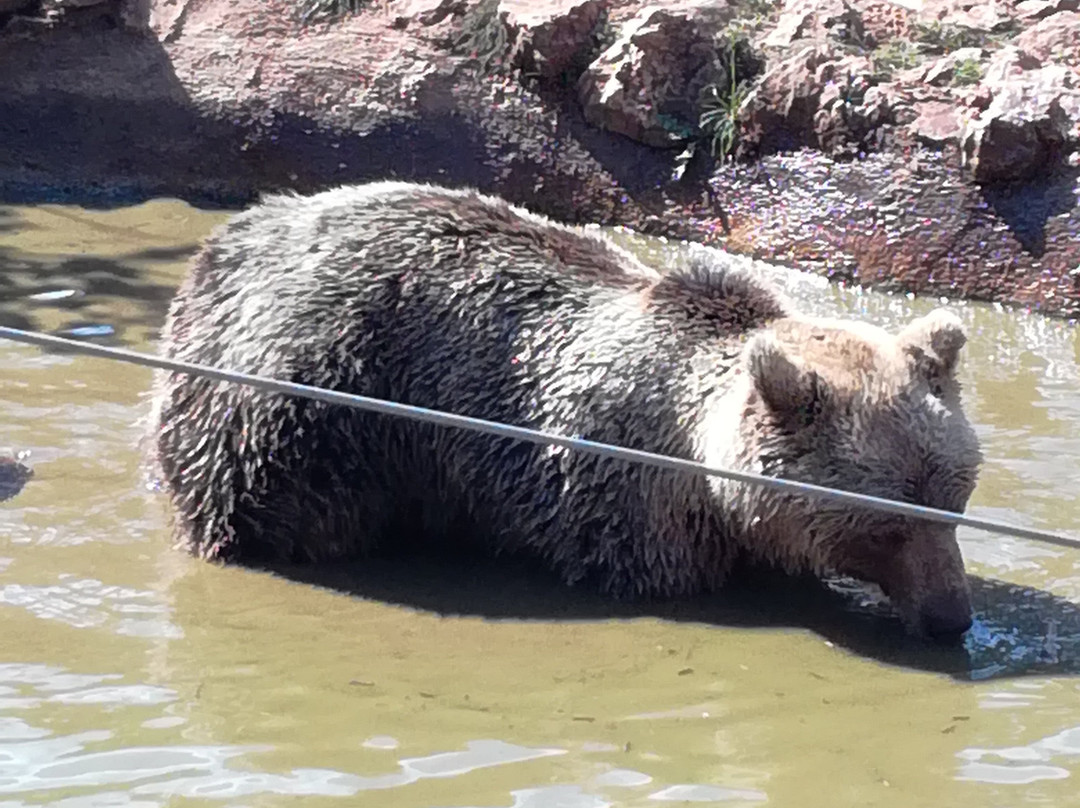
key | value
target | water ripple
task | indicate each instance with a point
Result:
(90, 603)
(1020, 765)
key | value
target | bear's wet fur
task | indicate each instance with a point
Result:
(458, 301)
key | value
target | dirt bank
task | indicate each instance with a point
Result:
(929, 149)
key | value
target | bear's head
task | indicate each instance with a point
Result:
(851, 406)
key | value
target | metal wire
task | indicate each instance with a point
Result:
(536, 436)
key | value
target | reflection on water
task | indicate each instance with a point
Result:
(36, 763)
(87, 278)
(87, 603)
(1022, 764)
(133, 676)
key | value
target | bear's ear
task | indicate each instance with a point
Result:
(937, 337)
(782, 380)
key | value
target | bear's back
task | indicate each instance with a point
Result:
(294, 269)
(394, 225)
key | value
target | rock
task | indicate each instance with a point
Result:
(975, 15)
(545, 38)
(1008, 63)
(942, 71)
(646, 85)
(554, 37)
(815, 97)
(14, 474)
(12, 6)
(425, 12)
(884, 20)
(271, 104)
(1033, 114)
(976, 97)
(817, 20)
(54, 9)
(1038, 9)
(1054, 39)
(63, 5)
(787, 96)
(982, 16)
(939, 122)
(851, 109)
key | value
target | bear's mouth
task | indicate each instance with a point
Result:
(944, 622)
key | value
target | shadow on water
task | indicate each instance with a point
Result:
(1018, 631)
(96, 298)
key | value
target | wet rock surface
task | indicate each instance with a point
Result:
(14, 474)
(859, 223)
(929, 149)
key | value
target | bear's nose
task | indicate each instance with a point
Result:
(946, 617)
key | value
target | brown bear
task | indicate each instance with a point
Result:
(458, 301)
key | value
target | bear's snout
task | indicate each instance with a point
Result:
(928, 585)
(946, 616)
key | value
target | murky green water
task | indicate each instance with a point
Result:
(131, 675)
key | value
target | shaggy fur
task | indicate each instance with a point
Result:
(456, 301)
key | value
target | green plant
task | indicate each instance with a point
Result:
(896, 54)
(967, 71)
(312, 10)
(721, 101)
(719, 120)
(938, 37)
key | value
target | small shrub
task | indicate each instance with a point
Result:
(939, 38)
(719, 121)
(896, 54)
(721, 100)
(967, 71)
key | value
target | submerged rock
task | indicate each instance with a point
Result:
(14, 474)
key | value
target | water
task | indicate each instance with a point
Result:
(131, 675)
